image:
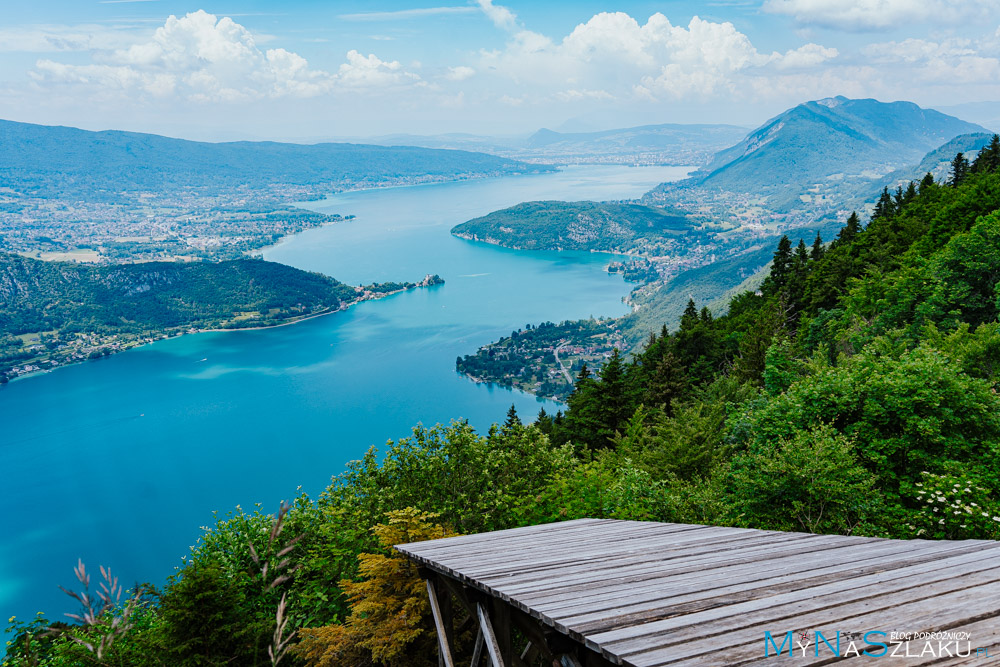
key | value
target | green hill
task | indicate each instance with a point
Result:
(557, 225)
(65, 162)
(55, 312)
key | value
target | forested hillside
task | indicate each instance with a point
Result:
(855, 392)
(54, 312)
(585, 225)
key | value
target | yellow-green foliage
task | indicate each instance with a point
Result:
(389, 621)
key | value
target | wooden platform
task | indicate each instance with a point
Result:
(647, 594)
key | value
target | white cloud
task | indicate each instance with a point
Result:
(950, 61)
(878, 14)
(615, 54)
(502, 17)
(460, 73)
(364, 72)
(203, 58)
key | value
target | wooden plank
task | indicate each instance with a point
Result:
(583, 579)
(582, 544)
(717, 572)
(926, 572)
(901, 612)
(655, 548)
(693, 627)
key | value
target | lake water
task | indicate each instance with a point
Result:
(119, 461)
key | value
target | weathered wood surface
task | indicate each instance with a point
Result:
(647, 594)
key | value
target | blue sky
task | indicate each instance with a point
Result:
(311, 69)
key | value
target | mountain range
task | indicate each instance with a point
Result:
(668, 143)
(45, 161)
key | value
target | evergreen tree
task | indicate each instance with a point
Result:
(884, 207)
(513, 421)
(665, 382)
(817, 248)
(690, 316)
(801, 254)
(544, 422)
(989, 157)
(781, 266)
(796, 284)
(959, 169)
(849, 231)
(927, 182)
(911, 193)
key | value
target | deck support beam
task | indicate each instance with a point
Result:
(493, 648)
(496, 622)
(442, 623)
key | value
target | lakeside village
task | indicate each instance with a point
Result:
(45, 350)
(545, 359)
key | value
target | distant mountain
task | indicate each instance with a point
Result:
(829, 140)
(67, 162)
(638, 139)
(986, 114)
(674, 144)
(938, 161)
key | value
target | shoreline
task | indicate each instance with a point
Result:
(186, 332)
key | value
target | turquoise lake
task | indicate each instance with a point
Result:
(120, 461)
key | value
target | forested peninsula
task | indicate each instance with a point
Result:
(52, 313)
(854, 392)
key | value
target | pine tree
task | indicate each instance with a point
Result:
(781, 266)
(849, 231)
(801, 254)
(989, 157)
(513, 421)
(911, 193)
(959, 170)
(665, 382)
(817, 248)
(884, 207)
(690, 317)
(927, 182)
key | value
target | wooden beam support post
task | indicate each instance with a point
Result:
(490, 638)
(477, 651)
(501, 616)
(443, 632)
